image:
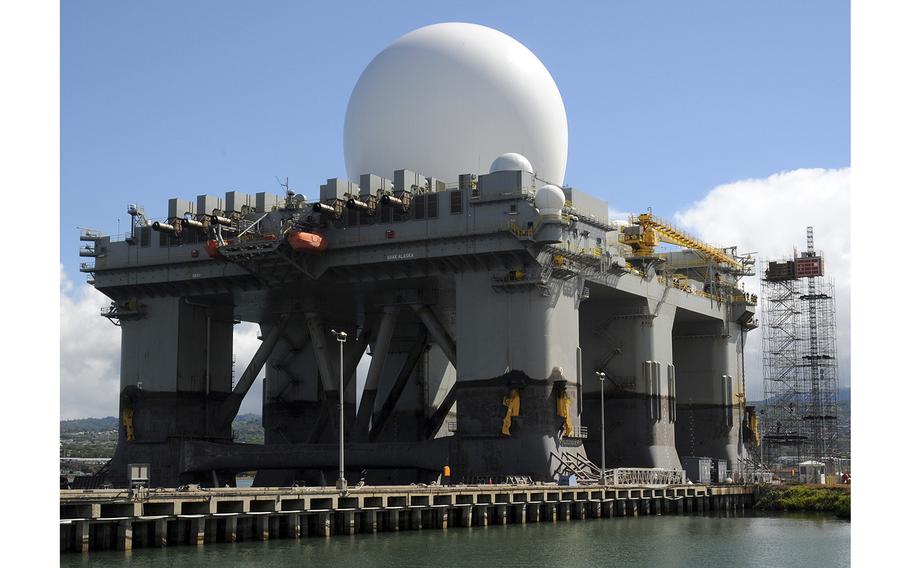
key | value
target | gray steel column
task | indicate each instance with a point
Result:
(232, 403)
(437, 331)
(321, 350)
(381, 417)
(441, 337)
(380, 352)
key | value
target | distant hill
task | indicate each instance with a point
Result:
(843, 412)
(88, 425)
(843, 395)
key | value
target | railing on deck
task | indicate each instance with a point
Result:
(644, 476)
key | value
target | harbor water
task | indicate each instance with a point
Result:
(707, 541)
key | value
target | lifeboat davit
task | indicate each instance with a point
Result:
(307, 242)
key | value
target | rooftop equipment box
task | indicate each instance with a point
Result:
(266, 202)
(435, 184)
(504, 185)
(698, 469)
(372, 184)
(180, 207)
(336, 189)
(208, 203)
(406, 180)
(236, 200)
(467, 182)
(587, 204)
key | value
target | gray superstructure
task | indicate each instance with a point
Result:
(473, 304)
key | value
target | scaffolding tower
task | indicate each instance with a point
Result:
(799, 345)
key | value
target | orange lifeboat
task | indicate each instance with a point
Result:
(307, 242)
(211, 247)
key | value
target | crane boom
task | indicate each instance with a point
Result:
(653, 231)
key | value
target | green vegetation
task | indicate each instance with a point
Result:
(88, 437)
(97, 437)
(248, 429)
(90, 449)
(810, 498)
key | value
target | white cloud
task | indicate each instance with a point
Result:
(622, 216)
(90, 355)
(246, 343)
(769, 216)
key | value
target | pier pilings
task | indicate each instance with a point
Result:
(116, 519)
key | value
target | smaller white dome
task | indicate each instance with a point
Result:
(511, 162)
(550, 200)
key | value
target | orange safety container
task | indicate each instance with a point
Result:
(211, 247)
(307, 242)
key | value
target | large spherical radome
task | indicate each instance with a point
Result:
(511, 162)
(448, 99)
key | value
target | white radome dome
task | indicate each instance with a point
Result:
(447, 99)
(550, 200)
(511, 162)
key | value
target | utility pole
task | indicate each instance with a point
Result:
(341, 336)
(603, 430)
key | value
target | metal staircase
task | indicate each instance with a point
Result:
(570, 463)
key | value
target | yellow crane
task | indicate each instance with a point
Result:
(647, 231)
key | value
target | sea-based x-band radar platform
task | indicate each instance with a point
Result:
(495, 306)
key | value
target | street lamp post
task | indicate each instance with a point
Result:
(341, 336)
(603, 430)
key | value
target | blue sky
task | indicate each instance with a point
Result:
(665, 100)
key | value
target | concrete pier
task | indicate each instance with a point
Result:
(108, 519)
(502, 514)
(483, 517)
(348, 522)
(230, 530)
(393, 523)
(371, 524)
(466, 514)
(294, 524)
(596, 509)
(125, 535)
(324, 524)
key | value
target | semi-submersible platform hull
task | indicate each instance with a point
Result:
(487, 315)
